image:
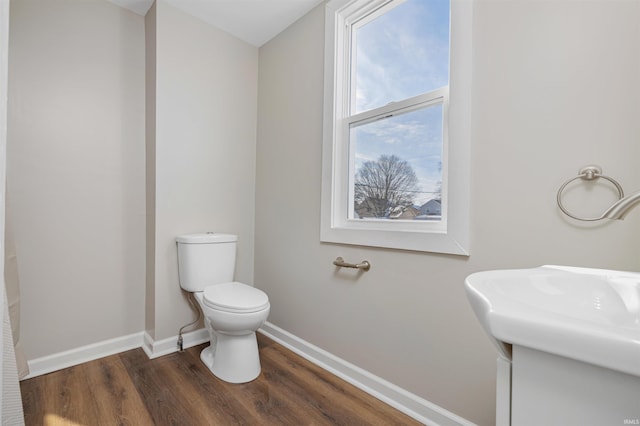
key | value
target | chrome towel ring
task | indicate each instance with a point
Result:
(588, 173)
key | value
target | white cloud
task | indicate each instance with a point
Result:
(402, 54)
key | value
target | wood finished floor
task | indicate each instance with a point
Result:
(177, 389)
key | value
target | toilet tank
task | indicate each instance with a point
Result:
(205, 259)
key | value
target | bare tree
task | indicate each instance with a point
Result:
(384, 184)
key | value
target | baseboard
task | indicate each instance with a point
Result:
(155, 349)
(60, 360)
(418, 408)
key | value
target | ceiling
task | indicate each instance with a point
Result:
(254, 21)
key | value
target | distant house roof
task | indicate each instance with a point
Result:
(403, 212)
(431, 208)
(377, 208)
(370, 207)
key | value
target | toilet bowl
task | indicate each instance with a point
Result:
(233, 353)
(233, 311)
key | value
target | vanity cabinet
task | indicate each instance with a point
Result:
(583, 322)
(550, 390)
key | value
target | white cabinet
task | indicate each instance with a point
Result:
(552, 390)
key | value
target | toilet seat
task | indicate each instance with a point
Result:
(235, 297)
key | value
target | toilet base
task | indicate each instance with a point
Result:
(234, 359)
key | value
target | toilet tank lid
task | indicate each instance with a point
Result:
(206, 238)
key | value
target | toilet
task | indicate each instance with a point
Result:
(233, 311)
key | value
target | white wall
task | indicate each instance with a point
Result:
(206, 91)
(79, 153)
(75, 170)
(150, 169)
(555, 87)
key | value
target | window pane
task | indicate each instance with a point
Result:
(401, 54)
(397, 166)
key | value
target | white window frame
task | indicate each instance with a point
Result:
(450, 235)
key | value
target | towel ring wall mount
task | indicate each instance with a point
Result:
(588, 173)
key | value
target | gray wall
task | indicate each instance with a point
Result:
(75, 170)
(555, 87)
(78, 163)
(205, 133)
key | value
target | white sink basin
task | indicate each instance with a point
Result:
(591, 315)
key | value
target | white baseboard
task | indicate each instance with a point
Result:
(60, 360)
(155, 349)
(418, 408)
(412, 405)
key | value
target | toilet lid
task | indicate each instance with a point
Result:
(235, 297)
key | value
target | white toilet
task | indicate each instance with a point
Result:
(233, 311)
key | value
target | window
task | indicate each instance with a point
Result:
(396, 124)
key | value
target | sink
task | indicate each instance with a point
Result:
(590, 315)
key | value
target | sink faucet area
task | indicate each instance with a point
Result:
(570, 340)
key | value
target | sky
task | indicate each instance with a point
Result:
(403, 53)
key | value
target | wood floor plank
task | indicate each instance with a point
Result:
(261, 404)
(173, 394)
(99, 389)
(339, 401)
(32, 391)
(178, 389)
(110, 382)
